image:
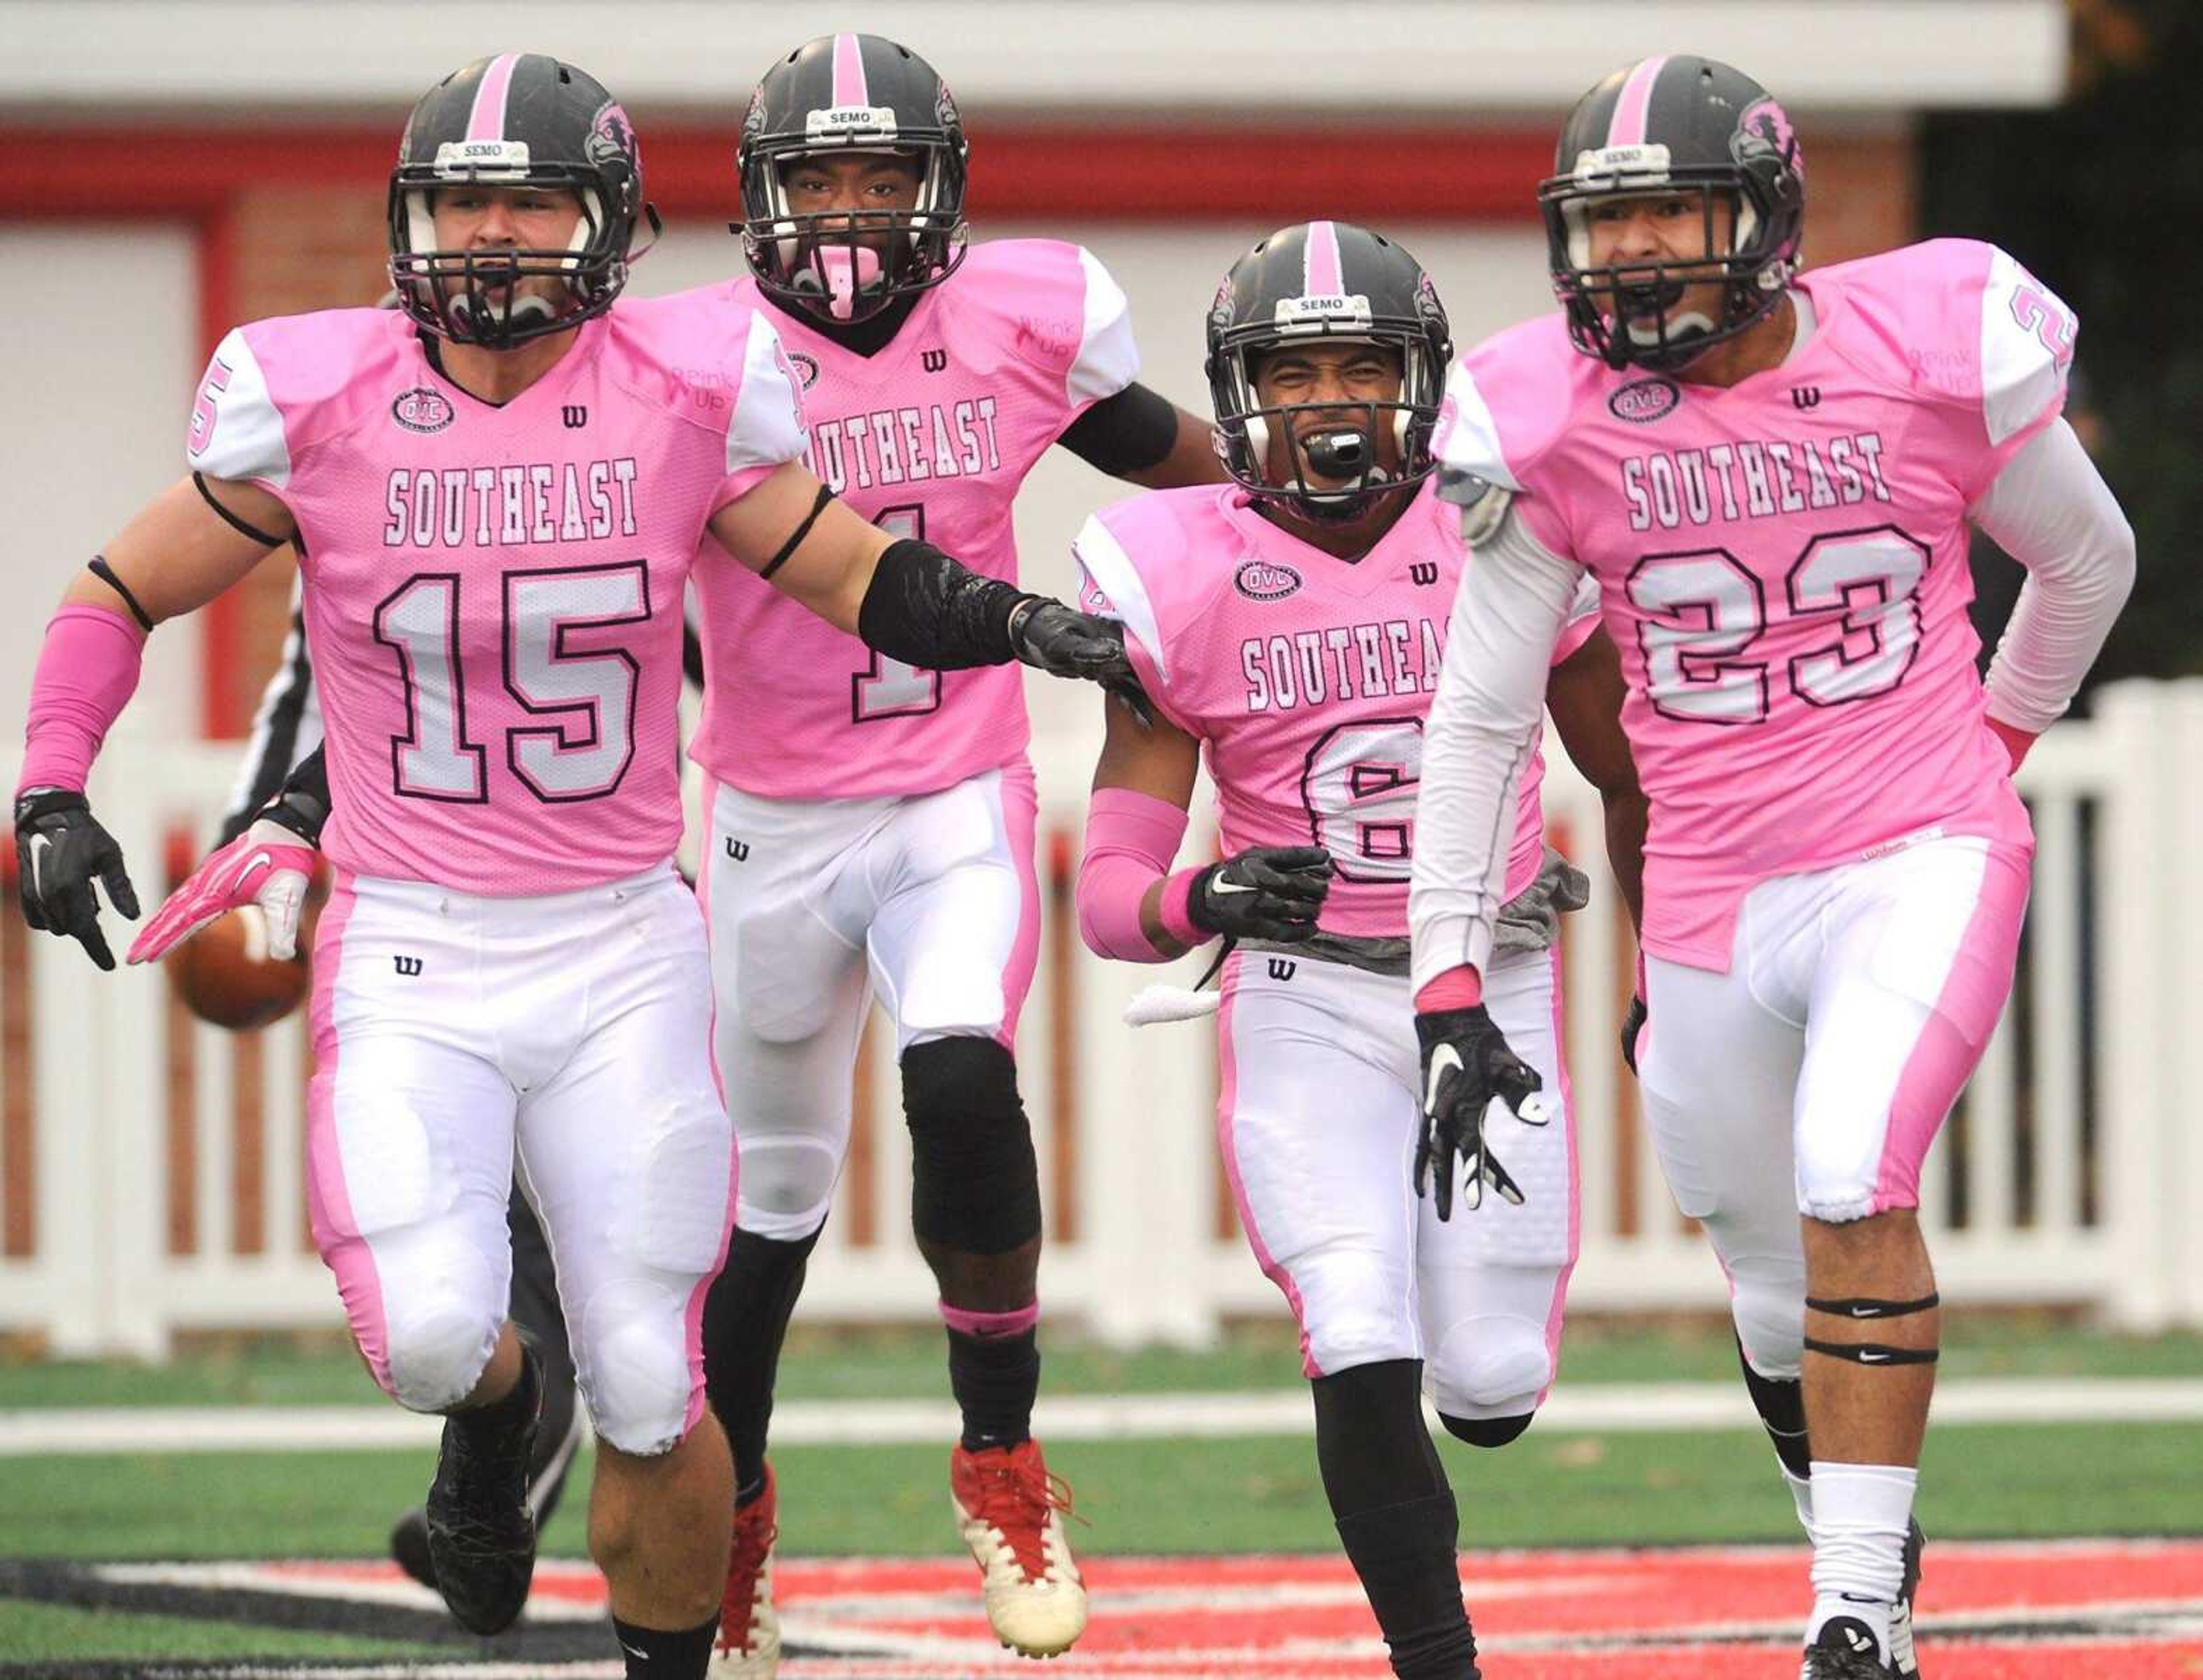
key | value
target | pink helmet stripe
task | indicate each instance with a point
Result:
(1321, 275)
(849, 85)
(1629, 110)
(487, 120)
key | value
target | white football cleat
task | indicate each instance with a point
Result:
(1010, 1512)
(748, 1643)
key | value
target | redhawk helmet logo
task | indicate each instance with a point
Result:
(610, 134)
(1765, 123)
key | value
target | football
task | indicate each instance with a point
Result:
(225, 978)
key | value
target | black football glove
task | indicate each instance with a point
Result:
(1631, 1025)
(60, 849)
(1052, 637)
(1467, 1063)
(1266, 892)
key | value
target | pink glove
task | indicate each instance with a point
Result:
(264, 865)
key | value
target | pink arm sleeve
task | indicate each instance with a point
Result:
(87, 672)
(1461, 988)
(1131, 839)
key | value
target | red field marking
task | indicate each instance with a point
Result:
(2083, 1610)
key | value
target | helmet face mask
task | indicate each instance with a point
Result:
(516, 123)
(1329, 461)
(844, 96)
(1678, 128)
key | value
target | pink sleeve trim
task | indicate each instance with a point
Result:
(1131, 839)
(87, 671)
(1461, 988)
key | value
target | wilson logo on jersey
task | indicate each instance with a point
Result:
(1642, 401)
(1266, 580)
(421, 409)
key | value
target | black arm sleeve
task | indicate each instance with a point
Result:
(1129, 432)
(927, 610)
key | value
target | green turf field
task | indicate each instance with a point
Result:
(320, 1370)
(1258, 1494)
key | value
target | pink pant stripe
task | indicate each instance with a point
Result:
(486, 121)
(328, 1202)
(1020, 820)
(1227, 1103)
(1575, 1181)
(1630, 109)
(692, 1316)
(1957, 1029)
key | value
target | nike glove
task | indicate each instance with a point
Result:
(60, 849)
(1466, 1065)
(264, 865)
(1052, 637)
(1266, 892)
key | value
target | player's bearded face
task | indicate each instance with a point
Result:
(846, 201)
(483, 220)
(1671, 234)
(1331, 431)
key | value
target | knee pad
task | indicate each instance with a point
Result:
(787, 1184)
(1491, 1370)
(1770, 1323)
(1486, 1431)
(975, 1185)
(438, 1350)
(632, 1358)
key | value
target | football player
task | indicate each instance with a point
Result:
(1771, 476)
(498, 491)
(1289, 626)
(872, 820)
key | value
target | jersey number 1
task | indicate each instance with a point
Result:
(888, 688)
(588, 700)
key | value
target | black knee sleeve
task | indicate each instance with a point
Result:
(1486, 1431)
(746, 1312)
(1781, 1404)
(975, 1185)
(1371, 1443)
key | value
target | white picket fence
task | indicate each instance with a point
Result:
(152, 1183)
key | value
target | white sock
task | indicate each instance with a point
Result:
(1801, 1495)
(1860, 1516)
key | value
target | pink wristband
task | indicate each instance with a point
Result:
(1175, 909)
(87, 672)
(1461, 988)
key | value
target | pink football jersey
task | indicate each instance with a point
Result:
(1782, 564)
(930, 438)
(1305, 677)
(493, 594)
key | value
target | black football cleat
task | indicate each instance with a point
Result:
(1844, 1650)
(409, 1547)
(480, 1526)
(1902, 1661)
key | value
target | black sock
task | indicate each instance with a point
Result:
(1404, 1554)
(501, 1416)
(654, 1654)
(745, 1313)
(1371, 1442)
(1781, 1409)
(996, 1379)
